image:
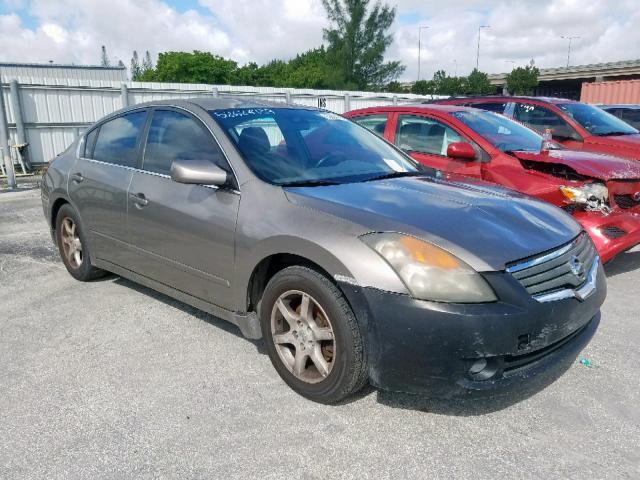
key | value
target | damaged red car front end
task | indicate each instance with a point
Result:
(602, 192)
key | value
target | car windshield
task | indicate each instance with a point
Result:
(502, 133)
(595, 120)
(290, 146)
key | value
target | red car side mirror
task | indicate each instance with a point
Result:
(461, 150)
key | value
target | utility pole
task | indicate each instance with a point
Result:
(420, 48)
(570, 38)
(478, 54)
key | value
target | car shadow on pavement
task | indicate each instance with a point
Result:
(473, 403)
(196, 312)
(623, 263)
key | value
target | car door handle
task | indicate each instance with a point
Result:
(77, 177)
(139, 199)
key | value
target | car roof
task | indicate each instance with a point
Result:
(630, 106)
(414, 107)
(219, 103)
(509, 98)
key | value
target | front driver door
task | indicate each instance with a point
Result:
(426, 140)
(182, 235)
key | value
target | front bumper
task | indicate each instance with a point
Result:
(438, 349)
(612, 234)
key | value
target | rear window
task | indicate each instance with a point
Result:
(118, 139)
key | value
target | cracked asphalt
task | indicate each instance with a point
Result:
(111, 380)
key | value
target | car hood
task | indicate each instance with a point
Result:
(630, 144)
(485, 226)
(596, 165)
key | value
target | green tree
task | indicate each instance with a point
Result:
(422, 87)
(135, 66)
(395, 87)
(147, 64)
(478, 83)
(523, 80)
(358, 37)
(195, 67)
(104, 57)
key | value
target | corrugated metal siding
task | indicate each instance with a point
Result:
(621, 91)
(60, 74)
(56, 110)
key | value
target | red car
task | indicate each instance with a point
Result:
(602, 192)
(578, 126)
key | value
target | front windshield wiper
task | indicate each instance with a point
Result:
(606, 134)
(387, 175)
(309, 183)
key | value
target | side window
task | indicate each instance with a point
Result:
(89, 142)
(540, 118)
(375, 123)
(175, 136)
(496, 107)
(424, 135)
(118, 139)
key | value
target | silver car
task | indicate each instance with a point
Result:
(352, 262)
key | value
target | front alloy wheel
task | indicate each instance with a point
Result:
(312, 335)
(303, 336)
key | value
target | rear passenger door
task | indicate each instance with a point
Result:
(182, 235)
(426, 139)
(99, 181)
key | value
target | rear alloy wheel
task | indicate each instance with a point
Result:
(73, 245)
(312, 336)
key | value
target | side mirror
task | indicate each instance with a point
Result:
(200, 172)
(461, 150)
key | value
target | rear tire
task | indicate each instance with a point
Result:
(73, 245)
(312, 336)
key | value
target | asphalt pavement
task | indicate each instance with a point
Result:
(109, 379)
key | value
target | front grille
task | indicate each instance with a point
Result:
(625, 201)
(613, 232)
(563, 268)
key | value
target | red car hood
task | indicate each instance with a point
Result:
(596, 165)
(629, 143)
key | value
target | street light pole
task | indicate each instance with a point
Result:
(478, 54)
(420, 48)
(512, 62)
(570, 38)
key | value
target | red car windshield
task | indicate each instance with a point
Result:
(595, 120)
(502, 133)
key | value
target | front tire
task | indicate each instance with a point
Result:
(312, 336)
(73, 245)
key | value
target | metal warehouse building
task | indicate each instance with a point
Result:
(58, 74)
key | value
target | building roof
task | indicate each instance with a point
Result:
(574, 72)
(59, 65)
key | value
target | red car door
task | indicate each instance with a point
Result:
(426, 139)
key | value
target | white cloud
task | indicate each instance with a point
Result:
(260, 30)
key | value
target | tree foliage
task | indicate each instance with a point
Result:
(104, 57)
(135, 70)
(477, 83)
(523, 80)
(354, 58)
(357, 40)
(195, 67)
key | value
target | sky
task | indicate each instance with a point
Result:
(72, 31)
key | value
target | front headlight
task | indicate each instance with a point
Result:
(591, 193)
(429, 272)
